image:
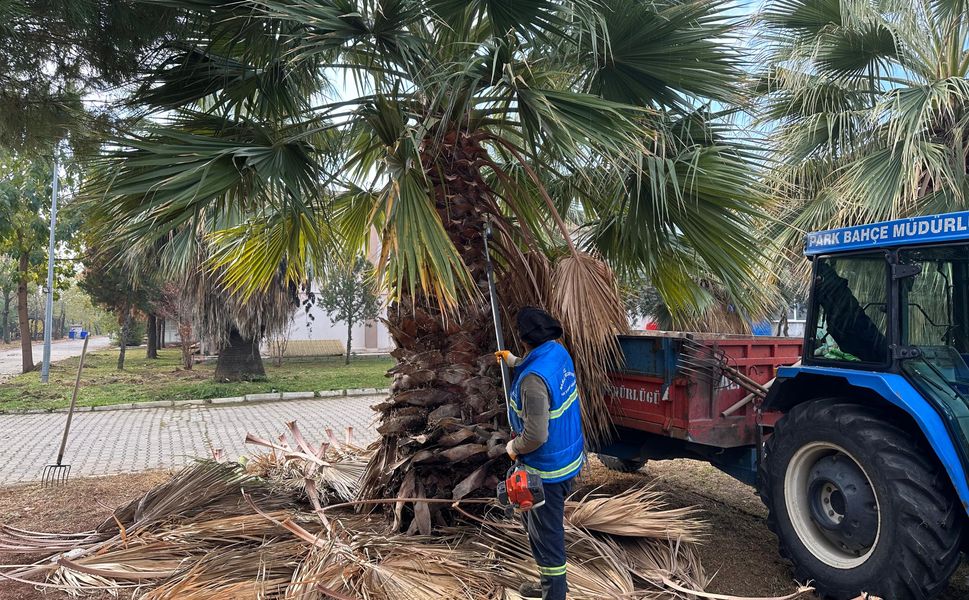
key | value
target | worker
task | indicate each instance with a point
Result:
(546, 419)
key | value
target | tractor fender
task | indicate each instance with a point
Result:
(795, 385)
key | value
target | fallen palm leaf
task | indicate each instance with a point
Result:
(637, 512)
(217, 531)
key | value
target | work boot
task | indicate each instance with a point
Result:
(530, 589)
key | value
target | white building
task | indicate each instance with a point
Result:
(315, 325)
(370, 337)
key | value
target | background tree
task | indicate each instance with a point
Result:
(24, 197)
(521, 114)
(235, 324)
(175, 303)
(347, 296)
(867, 105)
(8, 285)
(80, 310)
(115, 285)
(53, 53)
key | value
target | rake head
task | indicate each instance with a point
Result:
(55, 475)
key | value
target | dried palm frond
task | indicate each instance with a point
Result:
(597, 566)
(216, 531)
(263, 571)
(586, 299)
(121, 565)
(660, 561)
(637, 512)
(425, 572)
(601, 572)
(20, 540)
(197, 488)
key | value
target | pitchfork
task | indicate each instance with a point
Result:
(58, 473)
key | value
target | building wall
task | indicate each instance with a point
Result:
(369, 337)
(795, 327)
(315, 325)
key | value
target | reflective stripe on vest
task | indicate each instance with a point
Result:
(566, 470)
(554, 414)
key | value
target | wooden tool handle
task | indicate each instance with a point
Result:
(70, 410)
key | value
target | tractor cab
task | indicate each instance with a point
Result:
(895, 297)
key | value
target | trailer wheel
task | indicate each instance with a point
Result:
(621, 465)
(858, 504)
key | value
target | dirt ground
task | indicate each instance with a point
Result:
(81, 505)
(741, 551)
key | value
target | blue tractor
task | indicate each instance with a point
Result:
(865, 475)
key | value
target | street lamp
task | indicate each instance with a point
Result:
(49, 312)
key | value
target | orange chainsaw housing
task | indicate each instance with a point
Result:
(521, 490)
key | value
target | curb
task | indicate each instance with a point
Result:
(247, 399)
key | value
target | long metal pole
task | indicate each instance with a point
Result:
(496, 315)
(49, 314)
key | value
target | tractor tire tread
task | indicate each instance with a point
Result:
(926, 507)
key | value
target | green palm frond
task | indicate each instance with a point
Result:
(665, 54)
(565, 99)
(659, 225)
(417, 253)
(866, 110)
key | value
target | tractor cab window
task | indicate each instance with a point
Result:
(934, 302)
(851, 312)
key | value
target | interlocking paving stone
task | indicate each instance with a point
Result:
(123, 441)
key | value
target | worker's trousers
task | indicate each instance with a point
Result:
(546, 535)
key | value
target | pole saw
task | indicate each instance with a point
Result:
(521, 489)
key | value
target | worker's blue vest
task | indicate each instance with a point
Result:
(561, 456)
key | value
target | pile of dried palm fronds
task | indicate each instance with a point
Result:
(269, 529)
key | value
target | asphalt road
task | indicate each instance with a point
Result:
(11, 364)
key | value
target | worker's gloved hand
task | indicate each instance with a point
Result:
(510, 450)
(504, 355)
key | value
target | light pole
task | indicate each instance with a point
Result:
(49, 313)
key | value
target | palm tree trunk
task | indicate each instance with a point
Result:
(240, 360)
(152, 336)
(26, 349)
(443, 427)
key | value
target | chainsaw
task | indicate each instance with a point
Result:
(521, 490)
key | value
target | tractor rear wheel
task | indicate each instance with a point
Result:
(621, 465)
(859, 504)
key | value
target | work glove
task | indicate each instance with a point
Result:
(510, 450)
(504, 355)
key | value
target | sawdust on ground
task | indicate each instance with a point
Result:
(741, 550)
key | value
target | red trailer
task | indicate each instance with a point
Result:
(694, 395)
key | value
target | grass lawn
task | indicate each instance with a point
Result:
(163, 379)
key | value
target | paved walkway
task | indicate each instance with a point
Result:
(122, 441)
(11, 362)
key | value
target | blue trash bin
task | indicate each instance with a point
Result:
(83, 335)
(71, 335)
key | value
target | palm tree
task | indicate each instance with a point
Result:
(579, 129)
(867, 107)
